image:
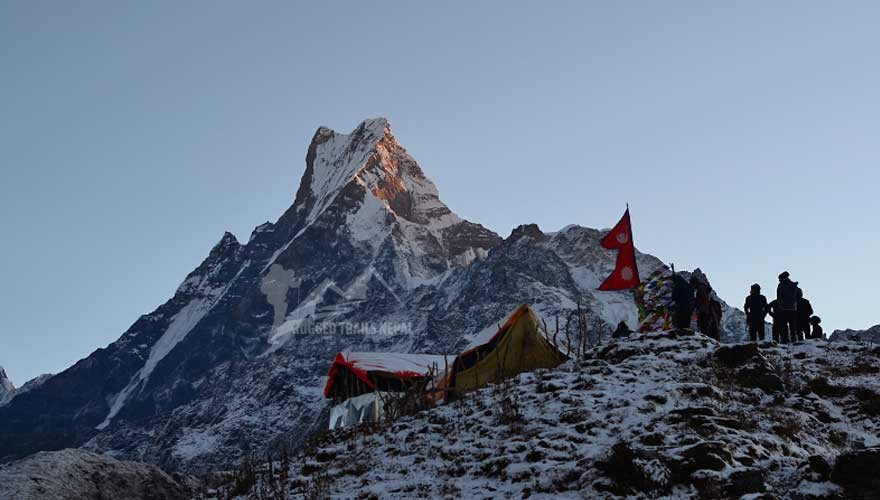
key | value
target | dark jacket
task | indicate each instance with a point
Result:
(756, 308)
(787, 295)
(682, 294)
(805, 310)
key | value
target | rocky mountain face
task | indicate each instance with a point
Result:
(870, 335)
(367, 258)
(663, 415)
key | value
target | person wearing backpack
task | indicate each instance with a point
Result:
(756, 309)
(682, 302)
(787, 296)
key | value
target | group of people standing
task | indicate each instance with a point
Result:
(695, 295)
(792, 314)
(693, 299)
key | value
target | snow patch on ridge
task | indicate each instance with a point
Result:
(368, 224)
(195, 443)
(275, 286)
(181, 324)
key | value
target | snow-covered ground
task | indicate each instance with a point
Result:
(667, 415)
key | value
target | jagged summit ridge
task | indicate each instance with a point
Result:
(332, 161)
(365, 187)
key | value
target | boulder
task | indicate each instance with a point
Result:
(705, 455)
(630, 471)
(858, 472)
(745, 481)
(760, 377)
(820, 467)
(735, 355)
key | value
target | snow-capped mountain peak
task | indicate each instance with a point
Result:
(366, 187)
(332, 161)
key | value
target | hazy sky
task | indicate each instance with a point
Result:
(132, 134)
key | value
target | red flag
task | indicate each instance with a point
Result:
(626, 273)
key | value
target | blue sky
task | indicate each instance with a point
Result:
(743, 134)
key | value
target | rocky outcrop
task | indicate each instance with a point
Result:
(870, 335)
(80, 475)
(7, 389)
(856, 471)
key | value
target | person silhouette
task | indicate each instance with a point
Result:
(682, 302)
(787, 296)
(756, 309)
(818, 333)
(804, 312)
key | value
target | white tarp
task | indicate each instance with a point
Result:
(357, 410)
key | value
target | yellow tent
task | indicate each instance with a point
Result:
(518, 346)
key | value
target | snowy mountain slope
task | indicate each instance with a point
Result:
(27, 386)
(367, 258)
(80, 475)
(657, 416)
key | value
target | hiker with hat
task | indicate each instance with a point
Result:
(787, 296)
(756, 309)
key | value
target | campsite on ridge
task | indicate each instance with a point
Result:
(438, 250)
(370, 308)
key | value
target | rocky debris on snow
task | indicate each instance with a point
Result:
(81, 475)
(870, 335)
(661, 415)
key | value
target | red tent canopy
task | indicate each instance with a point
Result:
(360, 364)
